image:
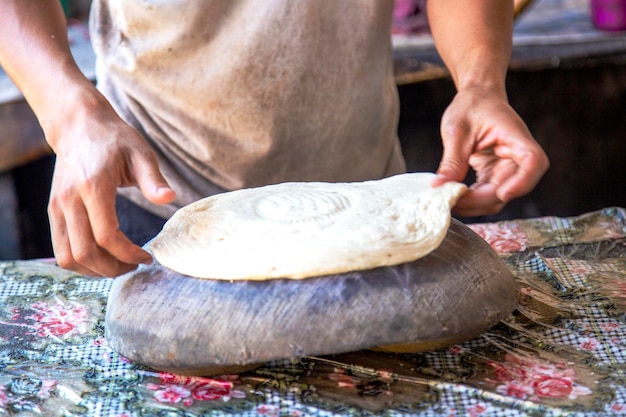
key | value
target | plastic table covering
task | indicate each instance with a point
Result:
(563, 351)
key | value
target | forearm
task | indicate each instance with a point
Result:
(474, 39)
(35, 53)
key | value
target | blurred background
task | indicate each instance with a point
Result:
(567, 80)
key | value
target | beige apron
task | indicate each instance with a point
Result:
(242, 93)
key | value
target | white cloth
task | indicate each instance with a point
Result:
(242, 93)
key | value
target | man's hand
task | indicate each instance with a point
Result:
(97, 153)
(480, 130)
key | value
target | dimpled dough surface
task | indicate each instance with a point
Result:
(299, 230)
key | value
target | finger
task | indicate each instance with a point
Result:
(456, 152)
(480, 199)
(75, 247)
(145, 169)
(105, 232)
(85, 249)
(61, 244)
(495, 171)
(531, 166)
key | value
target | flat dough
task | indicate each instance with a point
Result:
(307, 229)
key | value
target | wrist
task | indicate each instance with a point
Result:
(473, 74)
(489, 88)
(79, 102)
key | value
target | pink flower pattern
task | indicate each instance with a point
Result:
(477, 410)
(177, 388)
(4, 399)
(456, 349)
(171, 393)
(267, 410)
(502, 239)
(609, 327)
(589, 344)
(58, 320)
(524, 379)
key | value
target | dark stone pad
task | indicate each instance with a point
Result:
(169, 321)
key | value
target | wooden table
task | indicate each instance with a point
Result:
(562, 350)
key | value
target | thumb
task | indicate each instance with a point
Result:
(451, 168)
(454, 163)
(151, 182)
(158, 191)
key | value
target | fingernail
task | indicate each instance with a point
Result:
(146, 260)
(438, 180)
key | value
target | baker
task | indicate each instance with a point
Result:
(196, 98)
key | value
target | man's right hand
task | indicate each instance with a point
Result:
(96, 151)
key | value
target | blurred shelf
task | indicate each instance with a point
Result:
(547, 34)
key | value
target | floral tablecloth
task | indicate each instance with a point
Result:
(563, 351)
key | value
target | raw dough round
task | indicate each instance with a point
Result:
(302, 230)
